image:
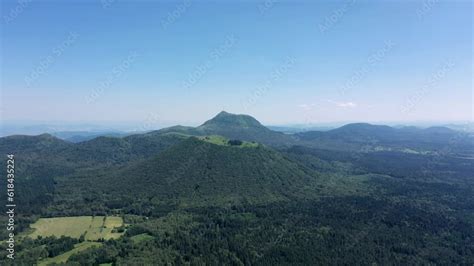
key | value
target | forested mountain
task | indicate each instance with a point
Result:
(31, 144)
(234, 126)
(234, 192)
(195, 173)
(201, 172)
(363, 135)
(48, 150)
(243, 127)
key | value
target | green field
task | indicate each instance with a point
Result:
(65, 256)
(93, 227)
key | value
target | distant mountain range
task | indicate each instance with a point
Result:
(243, 127)
(82, 132)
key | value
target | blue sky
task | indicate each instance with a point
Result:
(282, 62)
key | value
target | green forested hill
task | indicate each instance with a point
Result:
(31, 144)
(193, 172)
(61, 156)
(42, 160)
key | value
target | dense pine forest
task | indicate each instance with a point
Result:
(233, 192)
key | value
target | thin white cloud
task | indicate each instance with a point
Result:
(307, 106)
(343, 104)
(347, 104)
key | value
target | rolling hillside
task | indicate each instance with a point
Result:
(199, 172)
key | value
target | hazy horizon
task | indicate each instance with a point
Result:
(154, 123)
(283, 63)
(198, 122)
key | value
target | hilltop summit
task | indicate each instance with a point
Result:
(225, 119)
(243, 127)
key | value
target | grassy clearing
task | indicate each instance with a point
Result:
(219, 140)
(94, 228)
(65, 256)
(141, 237)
